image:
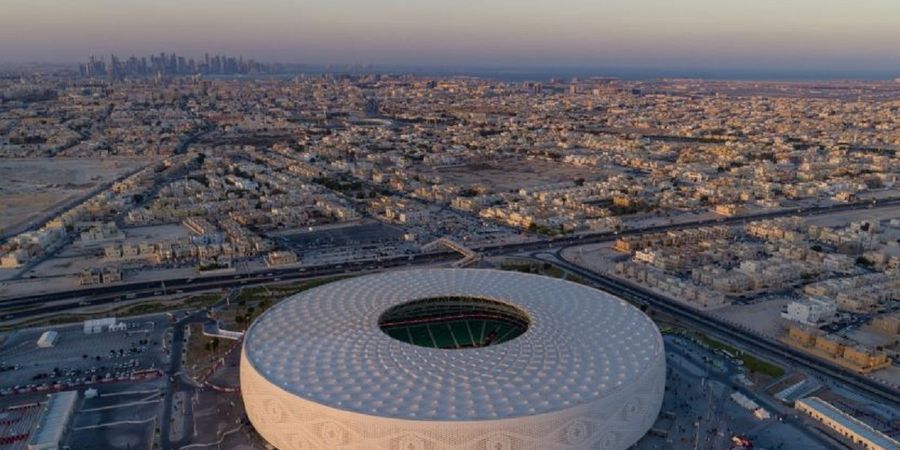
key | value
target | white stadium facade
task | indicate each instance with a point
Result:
(453, 359)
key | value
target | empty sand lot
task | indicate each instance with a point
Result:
(512, 175)
(29, 188)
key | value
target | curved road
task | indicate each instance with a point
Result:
(763, 346)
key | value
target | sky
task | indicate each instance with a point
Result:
(786, 35)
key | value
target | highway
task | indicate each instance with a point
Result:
(63, 301)
(764, 347)
(756, 344)
(583, 239)
(15, 308)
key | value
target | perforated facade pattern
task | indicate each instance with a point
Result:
(317, 371)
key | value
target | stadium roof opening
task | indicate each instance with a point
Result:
(454, 322)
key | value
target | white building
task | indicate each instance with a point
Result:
(100, 325)
(758, 411)
(339, 366)
(48, 339)
(811, 311)
(51, 427)
(645, 256)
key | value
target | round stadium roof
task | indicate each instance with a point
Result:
(577, 346)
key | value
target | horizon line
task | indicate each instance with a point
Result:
(630, 72)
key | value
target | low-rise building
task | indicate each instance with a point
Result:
(683, 290)
(101, 232)
(281, 258)
(758, 411)
(55, 416)
(888, 324)
(48, 339)
(92, 276)
(846, 425)
(729, 210)
(94, 326)
(15, 258)
(811, 311)
(836, 349)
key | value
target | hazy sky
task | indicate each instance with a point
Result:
(761, 34)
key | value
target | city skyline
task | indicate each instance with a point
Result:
(690, 35)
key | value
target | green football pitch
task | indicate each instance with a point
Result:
(455, 333)
(454, 322)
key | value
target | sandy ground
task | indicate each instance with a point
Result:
(516, 174)
(17, 208)
(597, 257)
(33, 286)
(155, 232)
(763, 317)
(649, 220)
(870, 338)
(30, 187)
(844, 218)
(55, 267)
(890, 376)
(884, 193)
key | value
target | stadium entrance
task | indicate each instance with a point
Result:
(454, 322)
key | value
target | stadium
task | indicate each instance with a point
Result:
(452, 359)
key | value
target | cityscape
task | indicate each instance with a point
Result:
(230, 250)
(172, 64)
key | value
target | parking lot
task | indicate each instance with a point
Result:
(79, 359)
(120, 416)
(698, 413)
(372, 233)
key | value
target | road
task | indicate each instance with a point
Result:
(62, 301)
(583, 239)
(716, 418)
(178, 382)
(36, 224)
(15, 308)
(763, 346)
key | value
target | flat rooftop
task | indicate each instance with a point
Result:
(857, 426)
